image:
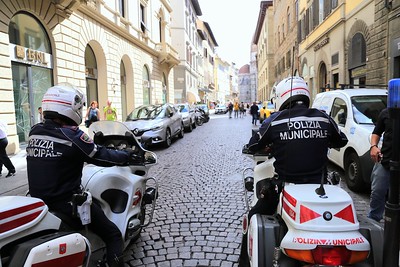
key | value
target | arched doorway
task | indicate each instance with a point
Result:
(323, 77)
(32, 69)
(91, 75)
(164, 89)
(123, 89)
(146, 86)
(357, 61)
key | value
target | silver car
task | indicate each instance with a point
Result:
(188, 116)
(155, 124)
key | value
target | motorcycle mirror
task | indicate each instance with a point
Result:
(150, 158)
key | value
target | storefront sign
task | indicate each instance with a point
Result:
(321, 44)
(30, 56)
(359, 72)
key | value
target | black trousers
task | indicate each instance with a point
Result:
(4, 159)
(100, 225)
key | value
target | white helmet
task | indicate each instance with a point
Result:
(64, 101)
(290, 90)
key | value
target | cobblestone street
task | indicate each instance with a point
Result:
(200, 207)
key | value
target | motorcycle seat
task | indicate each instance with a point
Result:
(68, 223)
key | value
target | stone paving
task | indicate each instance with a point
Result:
(199, 212)
(200, 207)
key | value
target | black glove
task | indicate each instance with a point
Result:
(135, 157)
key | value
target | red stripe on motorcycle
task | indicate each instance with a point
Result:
(4, 227)
(289, 198)
(307, 214)
(346, 214)
(19, 210)
(73, 260)
(289, 211)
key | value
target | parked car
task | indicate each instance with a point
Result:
(221, 108)
(155, 124)
(205, 108)
(188, 115)
(355, 111)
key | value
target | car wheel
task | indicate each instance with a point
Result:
(182, 131)
(353, 173)
(190, 127)
(168, 138)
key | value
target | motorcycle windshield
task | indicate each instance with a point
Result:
(109, 128)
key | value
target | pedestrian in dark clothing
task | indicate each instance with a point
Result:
(230, 109)
(381, 172)
(4, 159)
(254, 113)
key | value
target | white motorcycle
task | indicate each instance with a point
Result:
(310, 225)
(31, 235)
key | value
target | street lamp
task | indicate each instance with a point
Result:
(392, 208)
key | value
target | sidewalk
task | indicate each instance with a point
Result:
(18, 184)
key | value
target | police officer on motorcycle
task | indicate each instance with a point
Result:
(300, 136)
(56, 153)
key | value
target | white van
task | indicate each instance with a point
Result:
(355, 111)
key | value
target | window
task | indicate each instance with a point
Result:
(339, 111)
(30, 81)
(121, 6)
(321, 11)
(143, 18)
(335, 59)
(334, 4)
(288, 22)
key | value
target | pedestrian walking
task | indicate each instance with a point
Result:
(254, 113)
(236, 109)
(230, 109)
(381, 172)
(110, 113)
(242, 110)
(4, 159)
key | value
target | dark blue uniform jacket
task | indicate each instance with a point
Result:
(300, 138)
(55, 159)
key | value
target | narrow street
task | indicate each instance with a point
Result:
(200, 207)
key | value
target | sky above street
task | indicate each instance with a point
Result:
(233, 24)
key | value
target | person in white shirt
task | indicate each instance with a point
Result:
(4, 159)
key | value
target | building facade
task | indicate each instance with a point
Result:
(265, 45)
(187, 41)
(335, 41)
(112, 50)
(209, 44)
(285, 37)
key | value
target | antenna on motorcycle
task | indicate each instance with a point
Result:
(321, 190)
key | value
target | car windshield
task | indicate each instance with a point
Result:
(182, 108)
(146, 113)
(202, 107)
(366, 109)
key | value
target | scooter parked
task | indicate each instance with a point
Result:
(313, 225)
(31, 235)
(201, 116)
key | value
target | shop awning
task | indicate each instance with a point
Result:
(192, 97)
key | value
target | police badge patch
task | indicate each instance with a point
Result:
(85, 138)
